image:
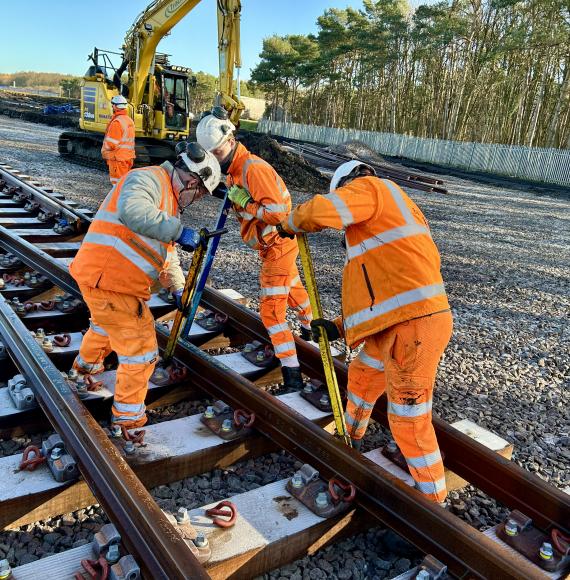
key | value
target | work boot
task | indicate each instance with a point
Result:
(356, 444)
(292, 378)
(306, 334)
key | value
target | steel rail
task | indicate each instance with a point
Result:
(466, 552)
(496, 476)
(161, 551)
(42, 197)
(41, 261)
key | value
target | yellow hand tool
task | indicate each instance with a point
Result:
(188, 293)
(324, 346)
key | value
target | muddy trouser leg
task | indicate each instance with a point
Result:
(95, 347)
(411, 353)
(366, 383)
(129, 324)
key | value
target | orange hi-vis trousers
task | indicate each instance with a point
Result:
(403, 361)
(281, 286)
(122, 323)
(118, 169)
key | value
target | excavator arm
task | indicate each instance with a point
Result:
(157, 20)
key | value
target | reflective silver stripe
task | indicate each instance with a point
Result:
(286, 346)
(343, 212)
(244, 215)
(97, 329)
(360, 402)
(296, 280)
(276, 207)
(304, 318)
(108, 216)
(259, 213)
(370, 362)
(246, 168)
(89, 367)
(139, 359)
(292, 226)
(400, 202)
(114, 179)
(289, 361)
(252, 243)
(111, 140)
(278, 328)
(122, 248)
(129, 407)
(424, 460)
(386, 238)
(268, 230)
(353, 422)
(125, 125)
(403, 299)
(274, 290)
(409, 410)
(132, 147)
(431, 488)
(305, 304)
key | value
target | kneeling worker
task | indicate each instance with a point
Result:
(128, 247)
(393, 300)
(261, 200)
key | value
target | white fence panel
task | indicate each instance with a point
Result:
(533, 163)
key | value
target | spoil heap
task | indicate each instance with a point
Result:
(295, 171)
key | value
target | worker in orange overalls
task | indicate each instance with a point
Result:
(393, 300)
(119, 143)
(261, 200)
(128, 247)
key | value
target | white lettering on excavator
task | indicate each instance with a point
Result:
(88, 115)
(171, 8)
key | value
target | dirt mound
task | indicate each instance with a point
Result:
(295, 171)
(357, 149)
(30, 108)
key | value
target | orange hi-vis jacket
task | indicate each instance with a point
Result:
(115, 257)
(119, 141)
(271, 200)
(392, 270)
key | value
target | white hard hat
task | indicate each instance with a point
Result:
(119, 101)
(345, 170)
(213, 130)
(202, 163)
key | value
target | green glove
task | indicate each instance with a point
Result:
(239, 195)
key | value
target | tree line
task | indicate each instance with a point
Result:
(492, 71)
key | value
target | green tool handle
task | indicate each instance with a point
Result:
(324, 345)
(188, 292)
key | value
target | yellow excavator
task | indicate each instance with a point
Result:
(157, 92)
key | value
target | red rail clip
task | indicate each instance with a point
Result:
(243, 418)
(29, 464)
(231, 513)
(348, 488)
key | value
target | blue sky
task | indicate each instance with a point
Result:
(58, 35)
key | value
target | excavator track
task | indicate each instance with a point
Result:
(84, 148)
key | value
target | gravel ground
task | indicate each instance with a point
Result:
(505, 262)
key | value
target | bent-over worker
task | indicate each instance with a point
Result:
(393, 300)
(128, 247)
(118, 148)
(261, 200)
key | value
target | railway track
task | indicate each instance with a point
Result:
(48, 298)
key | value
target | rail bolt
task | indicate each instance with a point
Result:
(308, 388)
(72, 375)
(392, 447)
(297, 481)
(116, 431)
(113, 554)
(182, 516)
(5, 570)
(27, 276)
(546, 552)
(324, 400)
(200, 541)
(40, 334)
(209, 412)
(322, 500)
(511, 528)
(56, 453)
(423, 575)
(129, 447)
(227, 425)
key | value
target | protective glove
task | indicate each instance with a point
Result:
(189, 239)
(178, 297)
(329, 326)
(239, 196)
(282, 233)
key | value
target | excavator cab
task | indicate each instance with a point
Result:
(175, 103)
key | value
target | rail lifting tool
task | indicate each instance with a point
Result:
(200, 267)
(324, 345)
